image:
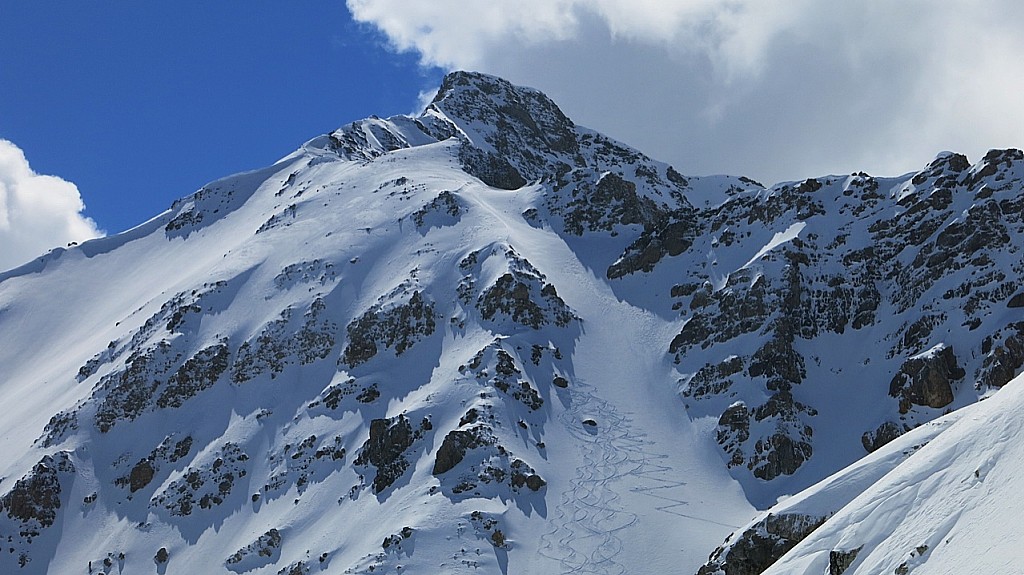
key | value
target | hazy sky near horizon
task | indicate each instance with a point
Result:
(130, 106)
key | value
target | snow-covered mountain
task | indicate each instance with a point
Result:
(488, 340)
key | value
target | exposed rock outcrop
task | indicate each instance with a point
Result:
(840, 561)
(386, 448)
(761, 545)
(35, 499)
(204, 485)
(1003, 359)
(927, 380)
(456, 443)
(266, 549)
(885, 433)
(396, 326)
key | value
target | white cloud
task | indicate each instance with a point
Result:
(772, 89)
(37, 213)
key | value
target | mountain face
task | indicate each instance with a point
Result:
(486, 339)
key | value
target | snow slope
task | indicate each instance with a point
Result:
(949, 508)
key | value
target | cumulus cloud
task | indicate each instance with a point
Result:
(37, 212)
(773, 90)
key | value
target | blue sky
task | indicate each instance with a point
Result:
(139, 103)
(131, 105)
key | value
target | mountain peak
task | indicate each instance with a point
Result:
(461, 88)
(465, 80)
(521, 125)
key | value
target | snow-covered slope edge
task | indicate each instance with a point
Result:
(936, 500)
(949, 508)
(772, 533)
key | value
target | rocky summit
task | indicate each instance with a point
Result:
(488, 340)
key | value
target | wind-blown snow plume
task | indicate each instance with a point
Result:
(37, 212)
(726, 81)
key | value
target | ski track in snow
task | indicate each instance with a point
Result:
(586, 537)
(618, 465)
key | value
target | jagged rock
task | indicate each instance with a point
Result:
(185, 218)
(1003, 361)
(506, 376)
(198, 373)
(296, 568)
(525, 393)
(315, 338)
(386, 447)
(505, 364)
(318, 271)
(724, 314)
(778, 454)
(143, 472)
(927, 379)
(917, 334)
(33, 504)
(779, 363)
(283, 218)
(278, 346)
(141, 475)
(445, 210)
(944, 169)
(396, 327)
(782, 295)
(471, 416)
(990, 165)
(840, 561)
(130, 392)
(206, 485)
(35, 498)
(351, 141)
(713, 379)
(335, 394)
(301, 463)
(395, 540)
(609, 202)
(761, 545)
(455, 445)
(517, 299)
(368, 394)
(481, 460)
(672, 238)
(523, 127)
(491, 169)
(520, 295)
(786, 297)
(263, 551)
(783, 449)
(58, 428)
(531, 480)
(885, 433)
(733, 432)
